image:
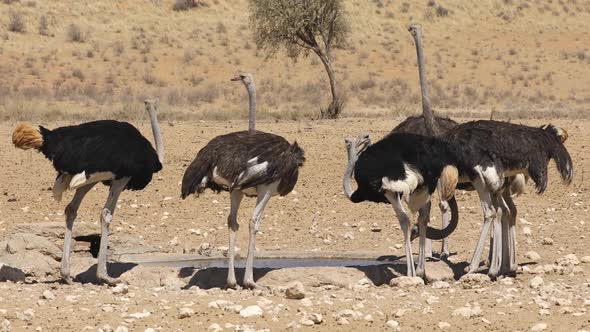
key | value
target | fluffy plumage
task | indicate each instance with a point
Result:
(508, 146)
(416, 125)
(232, 155)
(389, 157)
(99, 146)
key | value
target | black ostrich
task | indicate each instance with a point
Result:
(251, 163)
(491, 152)
(403, 167)
(114, 153)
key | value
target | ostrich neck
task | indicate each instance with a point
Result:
(157, 134)
(427, 111)
(251, 107)
(346, 181)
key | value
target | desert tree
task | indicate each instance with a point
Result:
(301, 27)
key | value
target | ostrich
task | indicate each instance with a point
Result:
(251, 163)
(112, 152)
(492, 151)
(428, 124)
(403, 167)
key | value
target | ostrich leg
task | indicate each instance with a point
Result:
(71, 212)
(404, 222)
(489, 214)
(510, 220)
(496, 244)
(232, 226)
(106, 217)
(446, 217)
(264, 194)
(423, 219)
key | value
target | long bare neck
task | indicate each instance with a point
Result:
(429, 121)
(157, 133)
(347, 179)
(251, 106)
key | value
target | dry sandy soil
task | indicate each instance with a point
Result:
(314, 219)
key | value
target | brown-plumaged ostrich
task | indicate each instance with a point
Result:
(251, 163)
(112, 152)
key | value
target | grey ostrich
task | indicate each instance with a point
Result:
(251, 163)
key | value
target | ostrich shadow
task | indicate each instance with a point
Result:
(114, 270)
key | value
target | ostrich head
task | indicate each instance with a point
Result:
(354, 148)
(245, 78)
(414, 29)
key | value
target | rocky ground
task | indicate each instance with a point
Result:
(550, 292)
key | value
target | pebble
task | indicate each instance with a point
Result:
(342, 321)
(48, 295)
(532, 255)
(474, 280)
(393, 324)
(185, 313)
(26, 315)
(585, 259)
(225, 306)
(5, 326)
(120, 289)
(397, 246)
(295, 291)
(526, 231)
(406, 282)
(214, 328)
(568, 260)
(536, 282)
(316, 318)
(440, 284)
(138, 315)
(251, 311)
(467, 312)
(443, 325)
(368, 318)
(121, 329)
(547, 241)
(149, 329)
(539, 327)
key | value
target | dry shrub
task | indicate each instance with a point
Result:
(16, 21)
(76, 34)
(43, 26)
(181, 5)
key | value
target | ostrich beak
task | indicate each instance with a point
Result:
(237, 78)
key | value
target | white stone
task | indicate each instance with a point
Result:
(547, 241)
(5, 326)
(316, 318)
(225, 306)
(474, 280)
(443, 325)
(539, 327)
(532, 255)
(342, 321)
(526, 231)
(120, 289)
(295, 291)
(440, 284)
(139, 315)
(393, 324)
(536, 282)
(467, 312)
(185, 313)
(406, 282)
(251, 311)
(568, 260)
(149, 329)
(585, 259)
(368, 318)
(121, 328)
(48, 295)
(214, 328)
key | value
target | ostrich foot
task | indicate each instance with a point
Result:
(249, 284)
(108, 280)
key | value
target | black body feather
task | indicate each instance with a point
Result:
(386, 158)
(102, 146)
(417, 125)
(511, 146)
(230, 154)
